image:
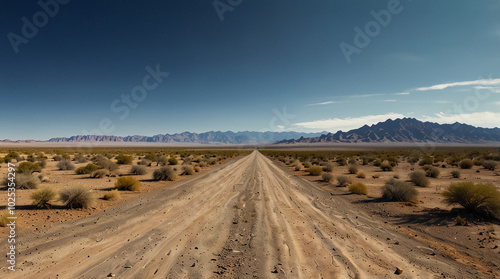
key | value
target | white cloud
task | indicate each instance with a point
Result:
(489, 88)
(365, 95)
(485, 119)
(389, 100)
(497, 103)
(345, 124)
(460, 83)
(324, 103)
(402, 93)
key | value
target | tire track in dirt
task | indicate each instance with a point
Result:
(246, 219)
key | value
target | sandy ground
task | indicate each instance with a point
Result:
(246, 219)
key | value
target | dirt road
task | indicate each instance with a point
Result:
(246, 219)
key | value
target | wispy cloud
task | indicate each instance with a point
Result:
(480, 82)
(324, 103)
(497, 103)
(335, 124)
(489, 88)
(485, 119)
(402, 93)
(366, 95)
(390, 101)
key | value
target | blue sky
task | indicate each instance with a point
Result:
(256, 65)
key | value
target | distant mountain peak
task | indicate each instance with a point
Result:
(408, 130)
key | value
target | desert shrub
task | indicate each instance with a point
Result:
(483, 199)
(455, 174)
(385, 166)
(352, 161)
(375, 176)
(432, 172)
(65, 164)
(79, 158)
(419, 179)
(327, 177)
(315, 170)
(4, 214)
(57, 158)
(490, 165)
(187, 161)
(197, 169)
(42, 162)
(341, 161)
(187, 170)
(88, 169)
(162, 161)
(427, 160)
(138, 170)
(361, 175)
(396, 176)
(144, 162)
(23, 181)
(202, 164)
(43, 198)
(107, 164)
(478, 162)
(123, 159)
(377, 163)
(297, 167)
(466, 164)
(112, 195)
(353, 169)
(358, 188)
(28, 167)
(77, 196)
(173, 161)
(12, 155)
(398, 190)
(307, 164)
(99, 173)
(327, 168)
(128, 183)
(343, 180)
(151, 157)
(212, 161)
(164, 173)
(412, 160)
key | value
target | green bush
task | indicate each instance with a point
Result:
(343, 180)
(112, 195)
(99, 173)
(173, 161)
(483, 199)
(385, 166)
(77, 197)
(315, 170)
(427, 160)
(4, 217)
(327, 177)
(57, 158)
(455, 174)
(398, 190)
(138, 170)
(358, 188)
(88, 169)
(361, 175)
(65, 164)
(377, 163)
(164, 173)
(353, 169)
(187, 170)
(128, 183)
(28, 167)
(419, 179)
(144, 162)
(162, 161)
(79, 158)
(466, 164)
(151, 157)
(123, 159)
(490, 165)
(44, 197)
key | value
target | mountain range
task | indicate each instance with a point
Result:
(407, 130)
